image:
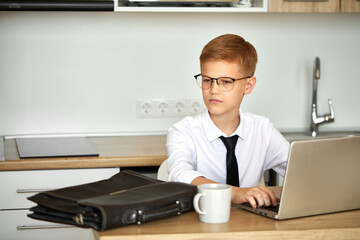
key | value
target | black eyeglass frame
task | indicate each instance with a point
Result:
(217, 80)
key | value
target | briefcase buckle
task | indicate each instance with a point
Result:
(140, 213)
(79, 219)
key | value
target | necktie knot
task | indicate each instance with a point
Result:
(230, 142)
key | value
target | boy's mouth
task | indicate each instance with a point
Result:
(214, 100)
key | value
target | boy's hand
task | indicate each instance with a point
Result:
(256, 196)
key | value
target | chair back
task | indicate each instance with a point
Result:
(162, 173)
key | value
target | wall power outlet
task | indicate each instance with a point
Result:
(158, 108)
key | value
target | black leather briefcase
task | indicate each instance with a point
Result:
(126, 198)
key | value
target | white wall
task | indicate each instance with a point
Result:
(78, 72)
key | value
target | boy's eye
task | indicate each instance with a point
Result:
(206, 80)
(226, 81)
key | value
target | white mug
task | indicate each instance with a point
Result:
(213, 202)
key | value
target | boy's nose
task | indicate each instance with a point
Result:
(214, 87)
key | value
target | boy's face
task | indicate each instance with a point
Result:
(221, 103)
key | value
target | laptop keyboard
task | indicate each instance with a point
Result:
(269, 208)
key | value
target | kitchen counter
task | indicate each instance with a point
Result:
(242, 225)
(124, 151)
(298, 136)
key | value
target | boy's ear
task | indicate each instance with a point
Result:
(250, 84)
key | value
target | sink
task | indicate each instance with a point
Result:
(295, 136)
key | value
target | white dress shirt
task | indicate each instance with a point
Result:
(195, 149)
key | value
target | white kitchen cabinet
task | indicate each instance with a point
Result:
(16, 186)
(14, 225)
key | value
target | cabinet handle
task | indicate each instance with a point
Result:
(28, 227)
(31, 190)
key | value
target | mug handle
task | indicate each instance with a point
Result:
(196, 203)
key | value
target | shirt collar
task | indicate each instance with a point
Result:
(213, 132)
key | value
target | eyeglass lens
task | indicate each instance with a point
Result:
(225, 84)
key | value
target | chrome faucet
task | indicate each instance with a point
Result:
(315, 119)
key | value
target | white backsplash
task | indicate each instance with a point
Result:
(79, 72)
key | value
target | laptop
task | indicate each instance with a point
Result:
(177, 3)
(55, 147)
(322, 176)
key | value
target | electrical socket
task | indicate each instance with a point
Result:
(156, 108)
(195, 107)
(162, 107)
(179, 107)
(144, 108)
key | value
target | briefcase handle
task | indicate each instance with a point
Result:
(171, 210)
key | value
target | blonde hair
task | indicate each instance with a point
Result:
(231, 48)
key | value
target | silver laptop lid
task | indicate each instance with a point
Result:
(322, 176)
(177, 2)
(55, 147)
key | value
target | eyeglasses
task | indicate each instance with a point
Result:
(225, 83)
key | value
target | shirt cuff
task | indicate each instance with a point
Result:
(186, 176)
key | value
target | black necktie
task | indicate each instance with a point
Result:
(232, 174)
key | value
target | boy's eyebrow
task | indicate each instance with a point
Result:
(203, 75)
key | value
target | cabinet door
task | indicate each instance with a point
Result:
(16, 225)
(16, 186)
(304, 6)
(350, 5)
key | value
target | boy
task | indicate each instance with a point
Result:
(198, 147)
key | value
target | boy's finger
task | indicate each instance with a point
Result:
(252, 202)
(272, 196)
(260, 200)
(267, 200)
